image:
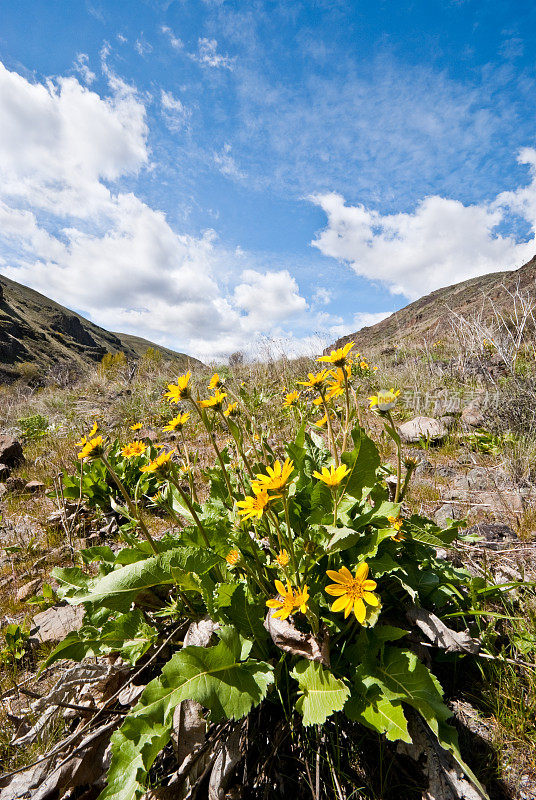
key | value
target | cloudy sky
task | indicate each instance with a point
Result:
(212, 174)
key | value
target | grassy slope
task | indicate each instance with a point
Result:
(430, 316)
(35, 329)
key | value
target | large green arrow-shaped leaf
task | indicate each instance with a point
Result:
(381, 715)
(321, 692)
(119, 588)
(216, 677)
(363, 461)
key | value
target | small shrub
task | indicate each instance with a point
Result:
(112, 364)
(34, 427)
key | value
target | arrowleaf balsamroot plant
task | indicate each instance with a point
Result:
(303, 543)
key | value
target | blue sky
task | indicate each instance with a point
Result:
(210, 174)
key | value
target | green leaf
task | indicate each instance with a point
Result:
(363, 461)
(381, 715)
(367, 544)
(129, 635)
(247, 616)
(406, 678)
(321, 692)
(216, 677)
(118, 589)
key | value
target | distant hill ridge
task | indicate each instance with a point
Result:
(37, 330)
(430, 315)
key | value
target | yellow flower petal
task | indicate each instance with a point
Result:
(371, 599)
(360, 610)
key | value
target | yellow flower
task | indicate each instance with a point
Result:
(384, 400)
(232, 557)
(177, 422)
(396, 523)
(282, 558)
(277, 478)
(363, 365)
(137, 426)
(84, 439)
(232, 410)
(133, 449)
(321, 422)
(215, 402)
(332, 476)
(315, 381)
(352, 592)
(180, 390)
(92, 447)
(215, 382)
(301, 598)
(254, 506)
(158, 463)
(285, 606)
(336, 386)
(291, 399)
(337, 357)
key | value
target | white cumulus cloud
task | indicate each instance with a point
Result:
(440, 243)
(68, 230)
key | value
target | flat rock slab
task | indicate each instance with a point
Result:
(55, 623)
(495, 535)
(427, 428)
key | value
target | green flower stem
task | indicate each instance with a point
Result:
(216, 449)
(247, 569)
(191, 509)
(330, 429)
(407, 478)
(396, 439)
(271, 515)
(347, 421)
(185, 601)
(290, 539)
(190, 474)
(252, 421)
(130, 505)
(240, 451)
(335, 493)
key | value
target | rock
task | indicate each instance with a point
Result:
(28, 590)
(427, 428)
(35, 487)
(472, 414)
(445, 471)
(449, 421)
(493, 534)
(446, 511)
(10, 451)
(14, 484)
(55, 623)
(5, 472)
(3, 490)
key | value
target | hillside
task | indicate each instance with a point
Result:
(36, 330)
(431, 316)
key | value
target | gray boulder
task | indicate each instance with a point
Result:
(427, 428)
